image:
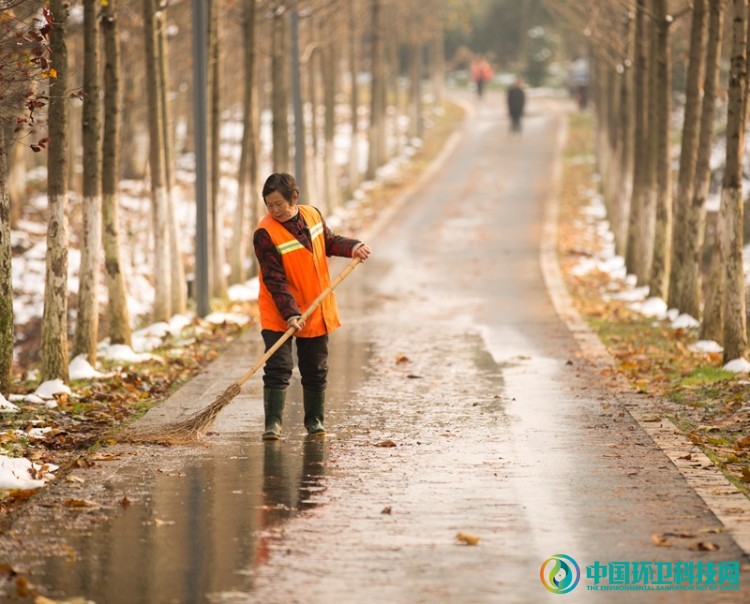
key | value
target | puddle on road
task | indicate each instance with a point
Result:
(192, 519)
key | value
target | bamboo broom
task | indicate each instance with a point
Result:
(193, 427)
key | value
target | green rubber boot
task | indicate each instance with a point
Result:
(273, 405)
(314, 403)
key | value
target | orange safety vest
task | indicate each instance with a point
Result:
(306, 277)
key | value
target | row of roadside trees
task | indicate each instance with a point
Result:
(658, 213)
(81, 84)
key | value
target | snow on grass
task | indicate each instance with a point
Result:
(227, 317)
(125, 354)
(685, 321)
(48, 390)
(706, 347)
(81, 369)
(738, 366)
(6, 406)
(21, 473)
(651, 307)
(244, 292)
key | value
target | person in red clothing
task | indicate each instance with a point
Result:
(292, 243)
(481, 74)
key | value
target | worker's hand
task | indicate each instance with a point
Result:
(297, 322)
(362, 251)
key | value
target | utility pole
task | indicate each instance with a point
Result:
(200, 83)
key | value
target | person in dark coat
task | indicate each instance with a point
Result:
(516, 102)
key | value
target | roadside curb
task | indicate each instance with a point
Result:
(730, 506)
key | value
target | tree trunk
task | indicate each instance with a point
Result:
(625, 151)
(731, 212)
(376, 152)
(15, 156)
(314, 169)
(247, 177)
(178, 285)
(416, 126)
(118, 316)
(437, 65)
(354, 171)
(329, 59)
(280, 91)
(55, 317)
(711, 325)
(218, 278)
(87, 321)
(660, 264)
(160, 211)
(641, 188)
(682, 279)
(6, 275)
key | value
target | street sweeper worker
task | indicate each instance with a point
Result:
(292, 243)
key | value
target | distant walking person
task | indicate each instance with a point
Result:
(516, 102)
(481, 73)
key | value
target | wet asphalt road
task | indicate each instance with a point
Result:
(458, 402)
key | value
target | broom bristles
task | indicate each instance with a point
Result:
(191, 428)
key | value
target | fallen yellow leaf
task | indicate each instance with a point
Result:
(467, 538)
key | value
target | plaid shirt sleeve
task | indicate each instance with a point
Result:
(336, 245)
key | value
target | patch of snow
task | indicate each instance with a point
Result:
(247, 291)
(738, 366)
(706, 346)
(651, 307)
(6, 406)
(125, 354)
(227, 317)
(81, 369)
(21, 473)
(49, 389)
(685, 321)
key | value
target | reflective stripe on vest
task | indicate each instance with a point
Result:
(290, 246)
(307, 275)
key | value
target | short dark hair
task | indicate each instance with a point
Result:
(282, 183)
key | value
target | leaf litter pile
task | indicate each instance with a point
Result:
(709, 404)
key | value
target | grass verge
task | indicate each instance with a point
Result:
(707, 403)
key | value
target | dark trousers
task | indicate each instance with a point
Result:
(515, 122)
(312, 360)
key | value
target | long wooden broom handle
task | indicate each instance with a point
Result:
(310, 309)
